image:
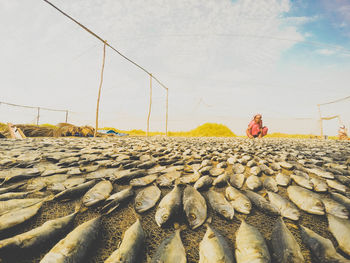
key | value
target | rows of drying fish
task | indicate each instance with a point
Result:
(230, 176)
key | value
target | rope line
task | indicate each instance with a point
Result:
(31, 107)
(335, 101)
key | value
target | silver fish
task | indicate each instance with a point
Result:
(282, 179)
(250, 245)
(238, 200)
(253, 183)
(340, 229)
(285, 247)
(238, 168)
(237, 180)
(76, 244)
(270, 184)
(336, 185)
(261, 203)
(214, 248)
(8, 205)
(256, 170)
(98, 193)
(11, 187)
(341, 199)
(169, 206)
(143, 181)
(203, 182)
(306, 200)
(220, 204)
(302, 181)
(167, 179)
(334, 208)
(194, 206)
(132, 246)
(114, 201)
(322, 248)
(147, 198)
(170, 250)
(221, 180)
(321, 173)
(286, 208)
(75, 191)
(319, 184)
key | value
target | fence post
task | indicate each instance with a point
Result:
(166, 114)
(150, 104)
(66, 116)
(38, 116)
(99, 89)
(321, 124)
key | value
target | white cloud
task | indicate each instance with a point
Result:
(326, 52)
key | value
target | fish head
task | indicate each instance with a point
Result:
(227, 213)
(317, 208)
(162, 216)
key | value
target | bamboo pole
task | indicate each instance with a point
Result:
(99, 89)
(321, 124)
(66, 116)
(150, 104)
(166, 114)
(38, 116)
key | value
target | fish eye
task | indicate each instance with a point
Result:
(138, 204)
(192, 216)
(165, 217)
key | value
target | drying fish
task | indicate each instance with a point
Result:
(238, 168)
(285, 247)
(73, 181)
(334, 208)
(75, 191)
(214, 248)
(127, 175)
(340, 229)
(168, 178)
(169, 206)
(76, 244)
(220, 204)
(343, 179)
(15, 217)
(6, 206)
(16, 195)
(302, 181)
(237, 180)
(238, 200)
(50, 230)
(322, 248)
(250, 245)
(275, 166)
(319, 185)
(305, 200)
(221, 180)
(147, 165)
(194, 206)
(203, 182)
(116, 199)
(170, 250)
(147, 198)
(21, 174)
(216, 171)
(11, 187)
(282, 179)
(286, 208)
(98, 193)
(286, 165)
(55, 171)
(253, 183)
(270, 184)
(256, 170)
(341, 199)
(190, 178)
(143, 181)
(321, 173)
(132, 247)
(336, 185)
(261, 203)
(266, 170)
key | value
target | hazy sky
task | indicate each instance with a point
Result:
(222, 60)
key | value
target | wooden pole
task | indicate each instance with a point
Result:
(66, 116)
(321, 124)
(166, 116)
(99, 89)
(38, 116)
(150, 104)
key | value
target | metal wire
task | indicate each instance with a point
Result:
(31, 107)
(335, 101)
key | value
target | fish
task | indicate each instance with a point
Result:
(114, 200)
(270, 184)
(190, 178)
(238, 168)
(169, 206)
(250, 245)
(47, 232)
(336, 185)
(73, 181)
(55, 171)
(261, 203)
(216, 171)
(8, 205)
(282, 179)
(238, 200)
(237, 180)
(253, 183)
(343, 179)
(221, 180)
(170, 250)
(266, 170)
(218, 202)
(256, 170)
(147, 165)
(286, 165)
(75, 191)
(321, 173)
(167, 179)
(21, 174)
(11, 187)
(98, 193)
(203, 182)
(334, 208)
(319, 185)
(74, 247)
(306, 200)
(302, 181)
(194, 206)
(131, 249)
(341, 199)
(214, 248)
(18, 216)
(340, 229)
(147, 198)
(275, 166)
(321, 248)
(285, 247)
(143, 181)
(16, 195)
(122, 176)
(286, 208)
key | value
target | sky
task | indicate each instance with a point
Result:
(222, 61)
